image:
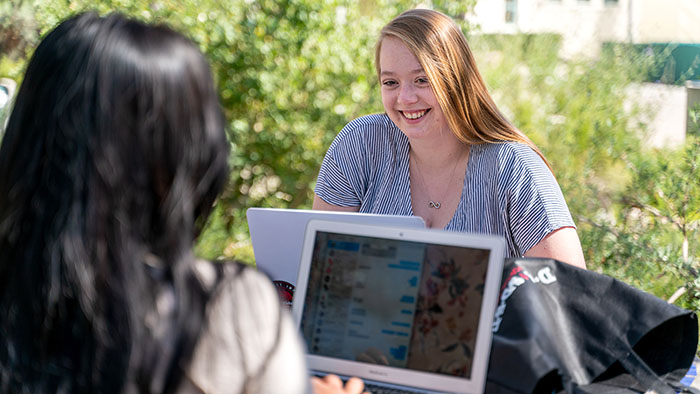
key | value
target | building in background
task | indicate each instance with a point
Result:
(587, 25)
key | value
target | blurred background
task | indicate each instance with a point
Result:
(606, 88)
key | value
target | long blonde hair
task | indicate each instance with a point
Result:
(442, 50)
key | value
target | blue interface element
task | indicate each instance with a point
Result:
(342, 245)
(408, 299)
(406, 265)
(399, 352)
(397, 333)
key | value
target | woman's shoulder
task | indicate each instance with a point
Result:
(233, 282)
(509, 156)
(507, 150)
(237, 290)
(366, 137)
(369, 126)
(510, 163)
(246, 329)
(370, 133)
(373, 121)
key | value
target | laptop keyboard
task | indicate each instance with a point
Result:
(376, 389)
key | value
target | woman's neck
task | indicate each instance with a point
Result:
(438, 152)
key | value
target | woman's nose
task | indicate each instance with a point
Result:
(407, 94)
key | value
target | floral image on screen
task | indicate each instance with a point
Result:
(447, 313)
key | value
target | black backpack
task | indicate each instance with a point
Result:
(559, 328)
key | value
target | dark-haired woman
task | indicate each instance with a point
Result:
(113, 156)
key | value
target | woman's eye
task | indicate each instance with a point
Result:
(422, 81)
(389, 83)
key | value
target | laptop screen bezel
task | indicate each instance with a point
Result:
(276, 234)
(392, 375)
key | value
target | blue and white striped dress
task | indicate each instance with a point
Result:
(508, 189)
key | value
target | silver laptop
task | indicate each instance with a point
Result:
(278, 234)
(408, 309)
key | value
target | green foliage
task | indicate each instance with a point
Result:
(635, 208)
(574, 110)
(671, 63)
(666, 192)
(693, 128)
(653, 241)
(18, 33)
(291, 74)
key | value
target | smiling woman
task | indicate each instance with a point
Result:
(443, 151)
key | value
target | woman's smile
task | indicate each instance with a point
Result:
(414, 115)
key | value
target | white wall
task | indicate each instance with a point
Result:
(666, 21)
(664, 109)
(585, 24)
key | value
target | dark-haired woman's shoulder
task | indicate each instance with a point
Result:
(249, 339)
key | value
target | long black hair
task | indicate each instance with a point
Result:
(112, 158)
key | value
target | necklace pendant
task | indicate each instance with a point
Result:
(434, 204)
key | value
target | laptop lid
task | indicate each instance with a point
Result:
(421, 301)
(278, 234)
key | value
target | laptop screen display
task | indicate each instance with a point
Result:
(394, 302)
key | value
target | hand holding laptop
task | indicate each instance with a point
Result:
(331, 384)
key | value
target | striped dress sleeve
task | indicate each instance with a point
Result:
(534, 204)
(344, 173)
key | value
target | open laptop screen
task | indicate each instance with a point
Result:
(405, 304)
(278, 235)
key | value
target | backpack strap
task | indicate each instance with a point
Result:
(647, 377)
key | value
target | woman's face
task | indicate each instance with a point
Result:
(407, 95)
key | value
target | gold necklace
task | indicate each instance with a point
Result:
(433, 203)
